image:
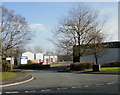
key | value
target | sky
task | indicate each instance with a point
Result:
(43, 17)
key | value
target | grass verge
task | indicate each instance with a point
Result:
(7, 75)
(111, 69)
(103, 69)
(55, 64)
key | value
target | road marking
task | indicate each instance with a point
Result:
(99, 84)
(109, 83)
(58, 88)
(86, 86)
(30, 91)
(42, 90)
(12, 92)
(73, 87)
(26, 91)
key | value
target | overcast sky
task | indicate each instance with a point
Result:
(43, 17)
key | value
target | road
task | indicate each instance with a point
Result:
(51, 81)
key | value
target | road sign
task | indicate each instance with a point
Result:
(24, 59)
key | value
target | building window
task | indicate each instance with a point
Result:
(51, 59)
(39, 60)
(47, 60)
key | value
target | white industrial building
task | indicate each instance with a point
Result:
(29, 55)
(10, 60)
(39, 57)
(46, 58)
(50, 58)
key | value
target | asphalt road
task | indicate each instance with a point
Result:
(51, 81)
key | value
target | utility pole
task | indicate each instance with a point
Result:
(1, 23)
(0, 48)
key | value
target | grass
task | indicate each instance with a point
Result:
(104, 69)
(110, 69)
(55, 64)
(18, 69)
(7, 75)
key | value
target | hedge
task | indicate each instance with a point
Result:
(78, 66)
(111, 64)
(6, 66)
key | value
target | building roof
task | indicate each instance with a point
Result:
(27, 52)
(114, 44)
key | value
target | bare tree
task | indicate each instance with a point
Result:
(97, 46)
(38, 49)
(35, 49)
(74, 29)
(15, 31)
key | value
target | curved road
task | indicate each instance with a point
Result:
(51, 81)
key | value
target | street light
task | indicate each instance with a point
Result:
(0, 47)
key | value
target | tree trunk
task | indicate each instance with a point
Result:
(96, 59)
(76, 58)
(96, 67)
(76, 54)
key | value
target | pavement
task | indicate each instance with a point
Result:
(21, 77)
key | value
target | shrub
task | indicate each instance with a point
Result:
(111, 64)
(6, 66)
(81, 65)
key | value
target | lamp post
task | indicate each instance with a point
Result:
(0, 47)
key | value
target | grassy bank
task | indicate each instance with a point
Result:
(103, 69)
(110, 69)
(55, 64)
(6, 75)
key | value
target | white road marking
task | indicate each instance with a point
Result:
(86, 86)
(26, 91)
(30, 91)
(73, 87)
(42, 90)
(99, 84)
(13, 92)
(109, 83)
(58, 88)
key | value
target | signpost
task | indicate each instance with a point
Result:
(24, 60)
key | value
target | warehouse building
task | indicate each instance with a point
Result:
(30, 58)
(111, 54)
